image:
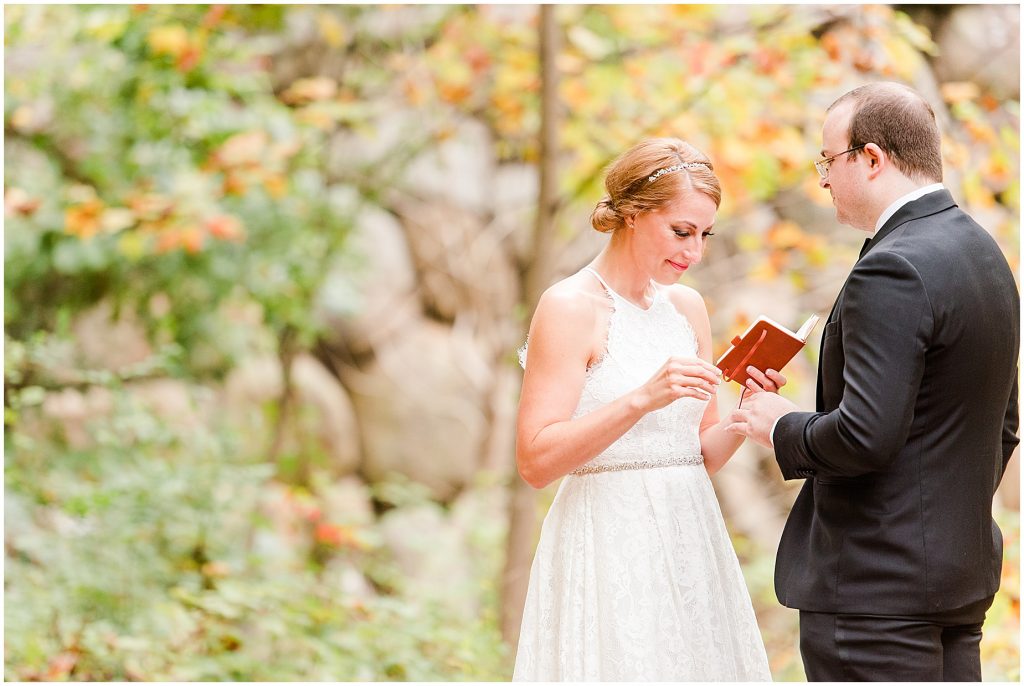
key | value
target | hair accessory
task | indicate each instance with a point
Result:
(674, 168)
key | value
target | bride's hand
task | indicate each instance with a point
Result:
(770, 380)
(679, 377)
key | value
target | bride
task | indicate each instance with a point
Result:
(635, 577)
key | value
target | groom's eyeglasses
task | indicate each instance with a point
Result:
(823, 165)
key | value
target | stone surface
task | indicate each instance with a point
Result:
(108, 343)
(462, 265)
(981, 44)
(347, 501)
(420, 406)
(459, 170)
(369, 297)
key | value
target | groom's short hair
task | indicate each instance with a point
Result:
(900, 121)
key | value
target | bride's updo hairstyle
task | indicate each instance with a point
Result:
(648, 176)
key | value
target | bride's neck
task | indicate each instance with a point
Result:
(619, 268)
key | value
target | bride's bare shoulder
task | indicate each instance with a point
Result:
(568, 316)
(576, 297)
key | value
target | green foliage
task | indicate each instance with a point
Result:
(156, 554)
(220, 193)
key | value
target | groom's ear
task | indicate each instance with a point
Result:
(876, 159)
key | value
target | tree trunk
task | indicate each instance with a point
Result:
(535, 274)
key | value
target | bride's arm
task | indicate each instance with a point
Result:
(549, 443)
(716, 444)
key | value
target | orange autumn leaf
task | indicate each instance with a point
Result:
(979, 131)
(234, 184)
(17, 201)
(413, 91)
(337, 535)
(225, 227)
(478, 59)
(832, 46)
(454, 93)
(242, 149)
(959, 91)
(60, 666)
(997, 169)
(83, 220)
(276, 185)
(214, 15)
(216, 569)
(193, 239)
(151, 207)
(167, 241)
(785, 234)
(189, 59)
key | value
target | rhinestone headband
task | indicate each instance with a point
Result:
(674, 168)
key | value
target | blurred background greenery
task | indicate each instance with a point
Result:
(267, 267)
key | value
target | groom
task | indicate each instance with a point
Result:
(890, 552)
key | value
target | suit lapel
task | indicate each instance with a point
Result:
(927, 205)
(924, 206)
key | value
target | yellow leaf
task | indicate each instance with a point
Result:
(276, 185)
(736, 153)
(132, 245)
(904, 60)
(748, 242)
(959, 91)
(309, 90)
(29, 119)
(316, 117)
(976, 193)
(765, 271)
(168, 40)
(332, 30)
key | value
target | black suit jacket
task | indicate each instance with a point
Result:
(916, 418)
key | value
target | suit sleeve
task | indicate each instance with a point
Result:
(886, 324)
(1011, 423)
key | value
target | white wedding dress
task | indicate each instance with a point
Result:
(635, 577)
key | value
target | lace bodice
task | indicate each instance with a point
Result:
(638, 343)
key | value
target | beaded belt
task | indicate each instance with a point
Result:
(640, 464)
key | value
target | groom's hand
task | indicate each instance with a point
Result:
(757, 416)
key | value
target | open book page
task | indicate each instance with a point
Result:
(808, 326)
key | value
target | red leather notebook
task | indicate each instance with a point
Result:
(765, 344)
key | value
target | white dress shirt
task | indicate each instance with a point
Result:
(882, 219)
